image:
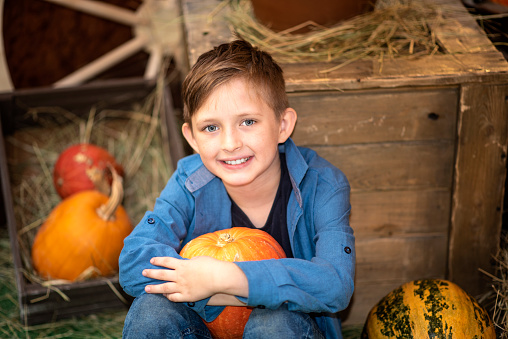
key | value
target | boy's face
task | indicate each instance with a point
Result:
(236, 134)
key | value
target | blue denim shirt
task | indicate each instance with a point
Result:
(320, 279)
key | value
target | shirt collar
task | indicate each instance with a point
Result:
(297, 167)
(199, 178)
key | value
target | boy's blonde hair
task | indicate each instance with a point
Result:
(237, 59)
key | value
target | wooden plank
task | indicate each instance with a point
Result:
(417, 212)
(333, 118)
(386, 263)
(86, 297)
(406, 258)
(204, 26)
(169, 118)
(445, 68)
(366, 295)
(393, 166)
(116, 94)
(480, 172)
(436, 70)
(467, 36)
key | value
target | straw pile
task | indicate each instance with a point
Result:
(396, 28)
(134, 136)
(497, 299)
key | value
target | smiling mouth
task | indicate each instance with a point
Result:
(237, 162)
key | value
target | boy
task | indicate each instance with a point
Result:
(247, 172)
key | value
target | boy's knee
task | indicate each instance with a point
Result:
(154, 316)
(280, 323)
(148, 303)
(146, 317)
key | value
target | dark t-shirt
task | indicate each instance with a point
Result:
(276, 224)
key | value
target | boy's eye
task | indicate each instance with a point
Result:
(248, 122)
(210, 128)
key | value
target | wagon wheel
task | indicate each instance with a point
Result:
(153, 28)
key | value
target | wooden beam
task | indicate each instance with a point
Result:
(480, 171)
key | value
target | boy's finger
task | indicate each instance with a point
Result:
(162, 274)
(167, 262)
(166, 288)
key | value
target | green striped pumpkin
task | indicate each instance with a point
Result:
(430, 308)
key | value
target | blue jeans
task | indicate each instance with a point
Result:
(154, 316)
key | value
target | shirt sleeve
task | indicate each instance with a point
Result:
(323, 282)
(159, 234)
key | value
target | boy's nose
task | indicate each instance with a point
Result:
(231, 141)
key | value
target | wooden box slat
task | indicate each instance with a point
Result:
(403, 257)
(370, 117)
(419, 212)
(479, 181)
(393, 166)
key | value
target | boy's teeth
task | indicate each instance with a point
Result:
(236, 162)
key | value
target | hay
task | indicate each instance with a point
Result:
(396, 28)
(133, 135)
(497, 299)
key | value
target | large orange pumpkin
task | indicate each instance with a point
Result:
(84, 233)
(234, 244)
(84, 167)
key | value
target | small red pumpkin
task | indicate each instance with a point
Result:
(83, 167)
(234, 244)
(83, 234)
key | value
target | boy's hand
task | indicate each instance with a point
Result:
(195, 279)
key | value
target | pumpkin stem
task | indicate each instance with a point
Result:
(224, 239)
(98, 178)
(107, 211)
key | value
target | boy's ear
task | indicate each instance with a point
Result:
(187, 133)
(287, 124)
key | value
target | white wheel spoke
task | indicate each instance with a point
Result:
(154, 63)
(101, 9)
(5, 75)
(104, 62)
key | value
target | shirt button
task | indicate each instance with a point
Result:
(191, 304)
(150, 220)
(347, 249)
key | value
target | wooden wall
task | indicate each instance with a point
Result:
(397, 148)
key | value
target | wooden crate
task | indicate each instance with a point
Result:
(423, 143)
(38, 303)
